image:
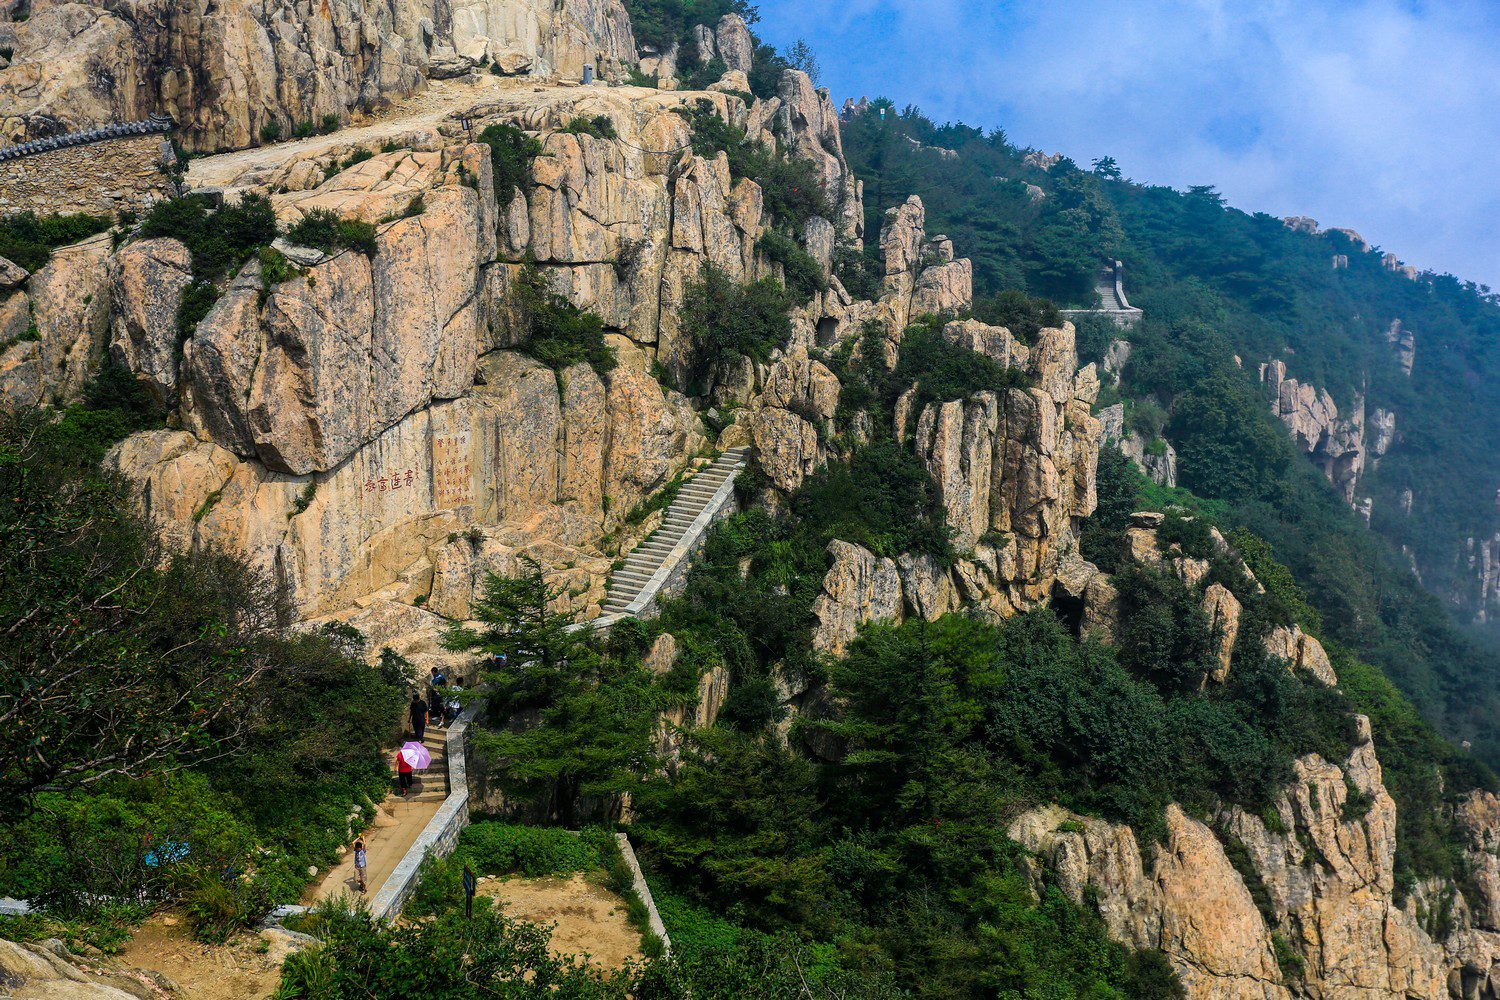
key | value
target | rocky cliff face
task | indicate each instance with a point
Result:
(1339, 445)
(224, 71)
(1015, 472)
(1328, 895)
(362, 431)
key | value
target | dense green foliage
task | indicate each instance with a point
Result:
(599, 126)
(511, 154)
(1022, 314)
(324, 229)
(804, 277)
(728, 319)
(1218, 284)
(170, 739)
(1049, 246)
(28, 239)
(551, 329)
(220, 240)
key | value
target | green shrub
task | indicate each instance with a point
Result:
(28, 239)
(727, 319)
(882, 499)
(552, 329)
(197, 299)
(219, 240)
(943, 371)
(304, 129)
(511, 152)
(270, 130)
(324, 230)
(804, 276)
(1021, 314)
(330, 123)
(599, 126)
(1292, 966)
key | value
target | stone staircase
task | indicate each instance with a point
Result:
(628, 583)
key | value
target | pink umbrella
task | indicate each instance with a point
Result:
(416, 755)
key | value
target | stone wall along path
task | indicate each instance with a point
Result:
(652, 567)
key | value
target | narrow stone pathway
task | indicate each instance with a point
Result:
(396, 826)
(637, 576)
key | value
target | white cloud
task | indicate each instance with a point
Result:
(1376, 114)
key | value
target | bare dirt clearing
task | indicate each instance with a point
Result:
(590, 919)
(238, 970)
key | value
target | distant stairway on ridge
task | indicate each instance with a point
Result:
(634, 579)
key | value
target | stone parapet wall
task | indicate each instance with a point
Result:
(100, 178)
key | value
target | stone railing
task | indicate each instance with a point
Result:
(440, 836)
(671, 576)
(638, 883)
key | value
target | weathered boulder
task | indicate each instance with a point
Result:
(1335, 443)
(735, 46)
(1157, 459)
(994, 342)
(147, 282)
(47, 970)
(1403, 345)
(333, 357)
(527, 462)
(1223, 611)
(1190, 903)
(11, 274)
(70, 307)
(859, 588)
(1301, 652)
(786, 446)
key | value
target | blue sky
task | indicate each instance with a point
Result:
(1376, 115)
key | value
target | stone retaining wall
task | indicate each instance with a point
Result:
(100, 178)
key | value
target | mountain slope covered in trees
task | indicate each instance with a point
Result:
(1224, 291)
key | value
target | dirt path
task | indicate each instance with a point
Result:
(590, 920)
(440, 100)
(243, 969)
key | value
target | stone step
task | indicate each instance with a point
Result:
(626, 576)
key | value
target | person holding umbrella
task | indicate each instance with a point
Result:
(411, 757)
(403, 770)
